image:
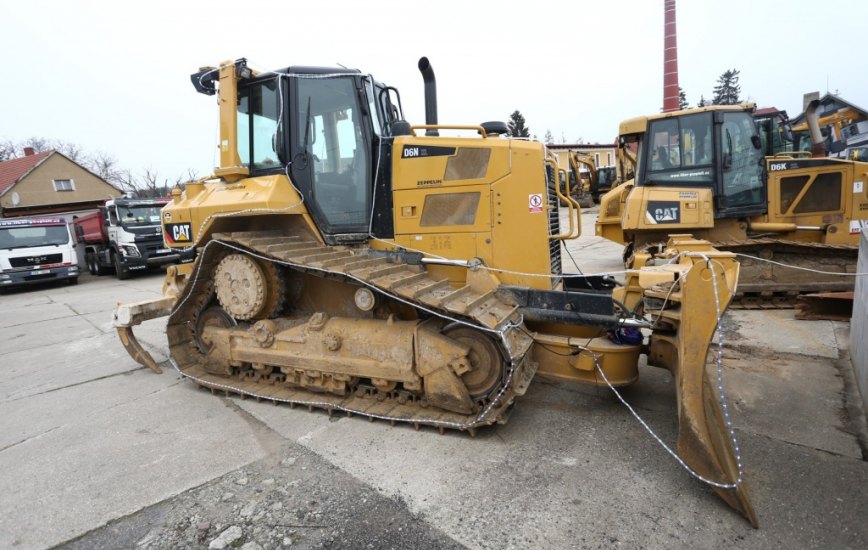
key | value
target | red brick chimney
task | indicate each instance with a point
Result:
(28, 151)
(670, 58)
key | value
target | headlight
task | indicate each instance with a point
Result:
(4, 277)
(130, 250)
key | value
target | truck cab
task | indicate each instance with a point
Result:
(126, 235)
(36, 250)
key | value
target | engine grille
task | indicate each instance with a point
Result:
(35, 259)
(554, 223)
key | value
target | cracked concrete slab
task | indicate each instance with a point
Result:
(110, 448)
(795, 401)
(53, 365)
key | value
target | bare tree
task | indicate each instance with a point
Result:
(38, 145)
(72, 151)
(146, 183)
(105, 166)
(7, 150)
(182, 180)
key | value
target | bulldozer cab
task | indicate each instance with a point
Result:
(320, 127)
(719, 150)
(774, 130)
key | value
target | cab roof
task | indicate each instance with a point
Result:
(639, 124)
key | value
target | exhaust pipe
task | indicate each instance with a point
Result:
(818, 145)
(430, 95)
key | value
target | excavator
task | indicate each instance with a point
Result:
(585, 184)
(351, 262)
(705, 171)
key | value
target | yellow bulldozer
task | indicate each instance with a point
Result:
(703, 171)
(349, 261)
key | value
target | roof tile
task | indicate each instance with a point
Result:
(11, 171)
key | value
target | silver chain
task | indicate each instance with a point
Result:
(501, 333)
(721, 394)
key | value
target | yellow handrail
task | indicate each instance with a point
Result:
(569, 201)
(479, 129)
(792, 154)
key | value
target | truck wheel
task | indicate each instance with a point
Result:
(119, 269)
(91, 263)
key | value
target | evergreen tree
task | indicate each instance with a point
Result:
(517, 126)
(682, 99)
(702, 101)
(727, 90)
(549, 139)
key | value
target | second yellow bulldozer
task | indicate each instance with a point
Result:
(347, 262)
(703, 171)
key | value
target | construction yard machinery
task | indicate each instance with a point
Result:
(703, 171)
(775, 132)
(584, 184)
(349, 263)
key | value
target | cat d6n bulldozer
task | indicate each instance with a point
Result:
(704, 171)
(352, 262)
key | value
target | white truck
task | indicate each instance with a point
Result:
(36, 250)
(125, 235)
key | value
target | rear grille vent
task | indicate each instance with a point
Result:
(554, 223)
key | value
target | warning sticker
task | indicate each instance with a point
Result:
(535, 202)
(858, 186)
(858, 226)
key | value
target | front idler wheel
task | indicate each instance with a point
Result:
(486, 362)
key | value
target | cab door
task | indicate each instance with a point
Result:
(330, 155)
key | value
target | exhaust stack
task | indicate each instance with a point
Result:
(818, 144)
(430, 94)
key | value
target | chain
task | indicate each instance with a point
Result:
(721, 394)
(484, 413)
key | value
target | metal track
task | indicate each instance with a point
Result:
(411, 285)
(766, 285)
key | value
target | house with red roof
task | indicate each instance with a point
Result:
(49, 183)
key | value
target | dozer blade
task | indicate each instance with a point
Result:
(692, 309)
(126, 316)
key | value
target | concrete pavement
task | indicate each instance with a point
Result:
(98, 452)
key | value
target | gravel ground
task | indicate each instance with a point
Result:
(291, 499)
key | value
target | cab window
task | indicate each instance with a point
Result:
(742, 163)
(330, 131)
(680, 149)
(258, 111)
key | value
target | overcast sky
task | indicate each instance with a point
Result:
(113, 76)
